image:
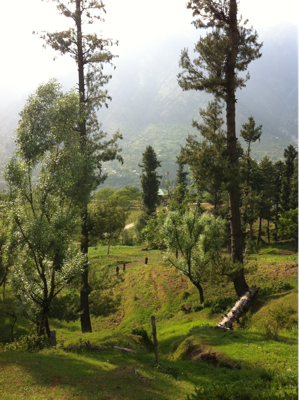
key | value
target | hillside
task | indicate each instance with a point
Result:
(248, 362)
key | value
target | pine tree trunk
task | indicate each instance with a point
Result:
(268, 231)
(85, 289)
(250, 230)
(233, 193)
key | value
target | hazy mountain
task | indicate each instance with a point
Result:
(148, 106)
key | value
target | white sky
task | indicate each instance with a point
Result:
(25, 64)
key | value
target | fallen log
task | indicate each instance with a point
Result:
(237, 310)
(124, 349)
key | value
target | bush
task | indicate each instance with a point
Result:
(261, 391)
(197, 306)
(104, 303)
(275, 288)
(245, 321)
(31, 343)
(167, 368)
(222, 305)
(65, 308)
(139, 331)
(279, 318)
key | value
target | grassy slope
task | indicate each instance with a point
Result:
(158, 289)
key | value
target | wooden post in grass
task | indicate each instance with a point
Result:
(53, 338)
(153, 321)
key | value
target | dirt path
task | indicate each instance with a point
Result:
(129, 226)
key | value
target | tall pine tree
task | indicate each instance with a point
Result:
(150, 181)
(227, 49)
(207, 158)
(90, 53)
(290, 154)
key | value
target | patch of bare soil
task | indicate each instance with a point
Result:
(209, 357)
(286, 253)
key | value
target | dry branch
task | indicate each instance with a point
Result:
(124, 349)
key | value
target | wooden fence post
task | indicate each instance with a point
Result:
(153, 321)
(53, 338)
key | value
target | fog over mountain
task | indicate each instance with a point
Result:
(149, 107)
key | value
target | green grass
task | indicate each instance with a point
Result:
(156, 289)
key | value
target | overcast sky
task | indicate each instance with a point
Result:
(25, 64)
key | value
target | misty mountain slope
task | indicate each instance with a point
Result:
(149, 107)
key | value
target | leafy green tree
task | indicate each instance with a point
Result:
(181, 181)
(207, 159)
(153, 230)
(90, 53)
(227, 49)
(290, 154)
(43, 179)
(196, 237)
(250, 195)
(277, 181)
(104, 194)
(107, 220)
(266, 194)
(150, 181)
(250, 133)
(294, 186)
(288, 226)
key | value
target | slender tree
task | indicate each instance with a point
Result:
(90, 53)
(207, 159)
(43, 179)
(227, 49)
(197, 237)
(294, 186)
(277, 181)
(266, 193)
(290, 154)
(181, 184)
(150, 181)
(250, 133)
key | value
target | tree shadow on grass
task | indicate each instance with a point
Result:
(92, 376)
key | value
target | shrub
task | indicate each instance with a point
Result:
(139, 331)
(222, 305)
(31, 343)
(167, 368)
(275, 288)
(279, 318)
(245, 321)
(197, 306)
(246, 392)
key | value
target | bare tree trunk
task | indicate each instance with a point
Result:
(260, 232)
(233, 191)
(85, 288)
(268, 230)
(44, 322)
(250, 230)
(200, 290)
